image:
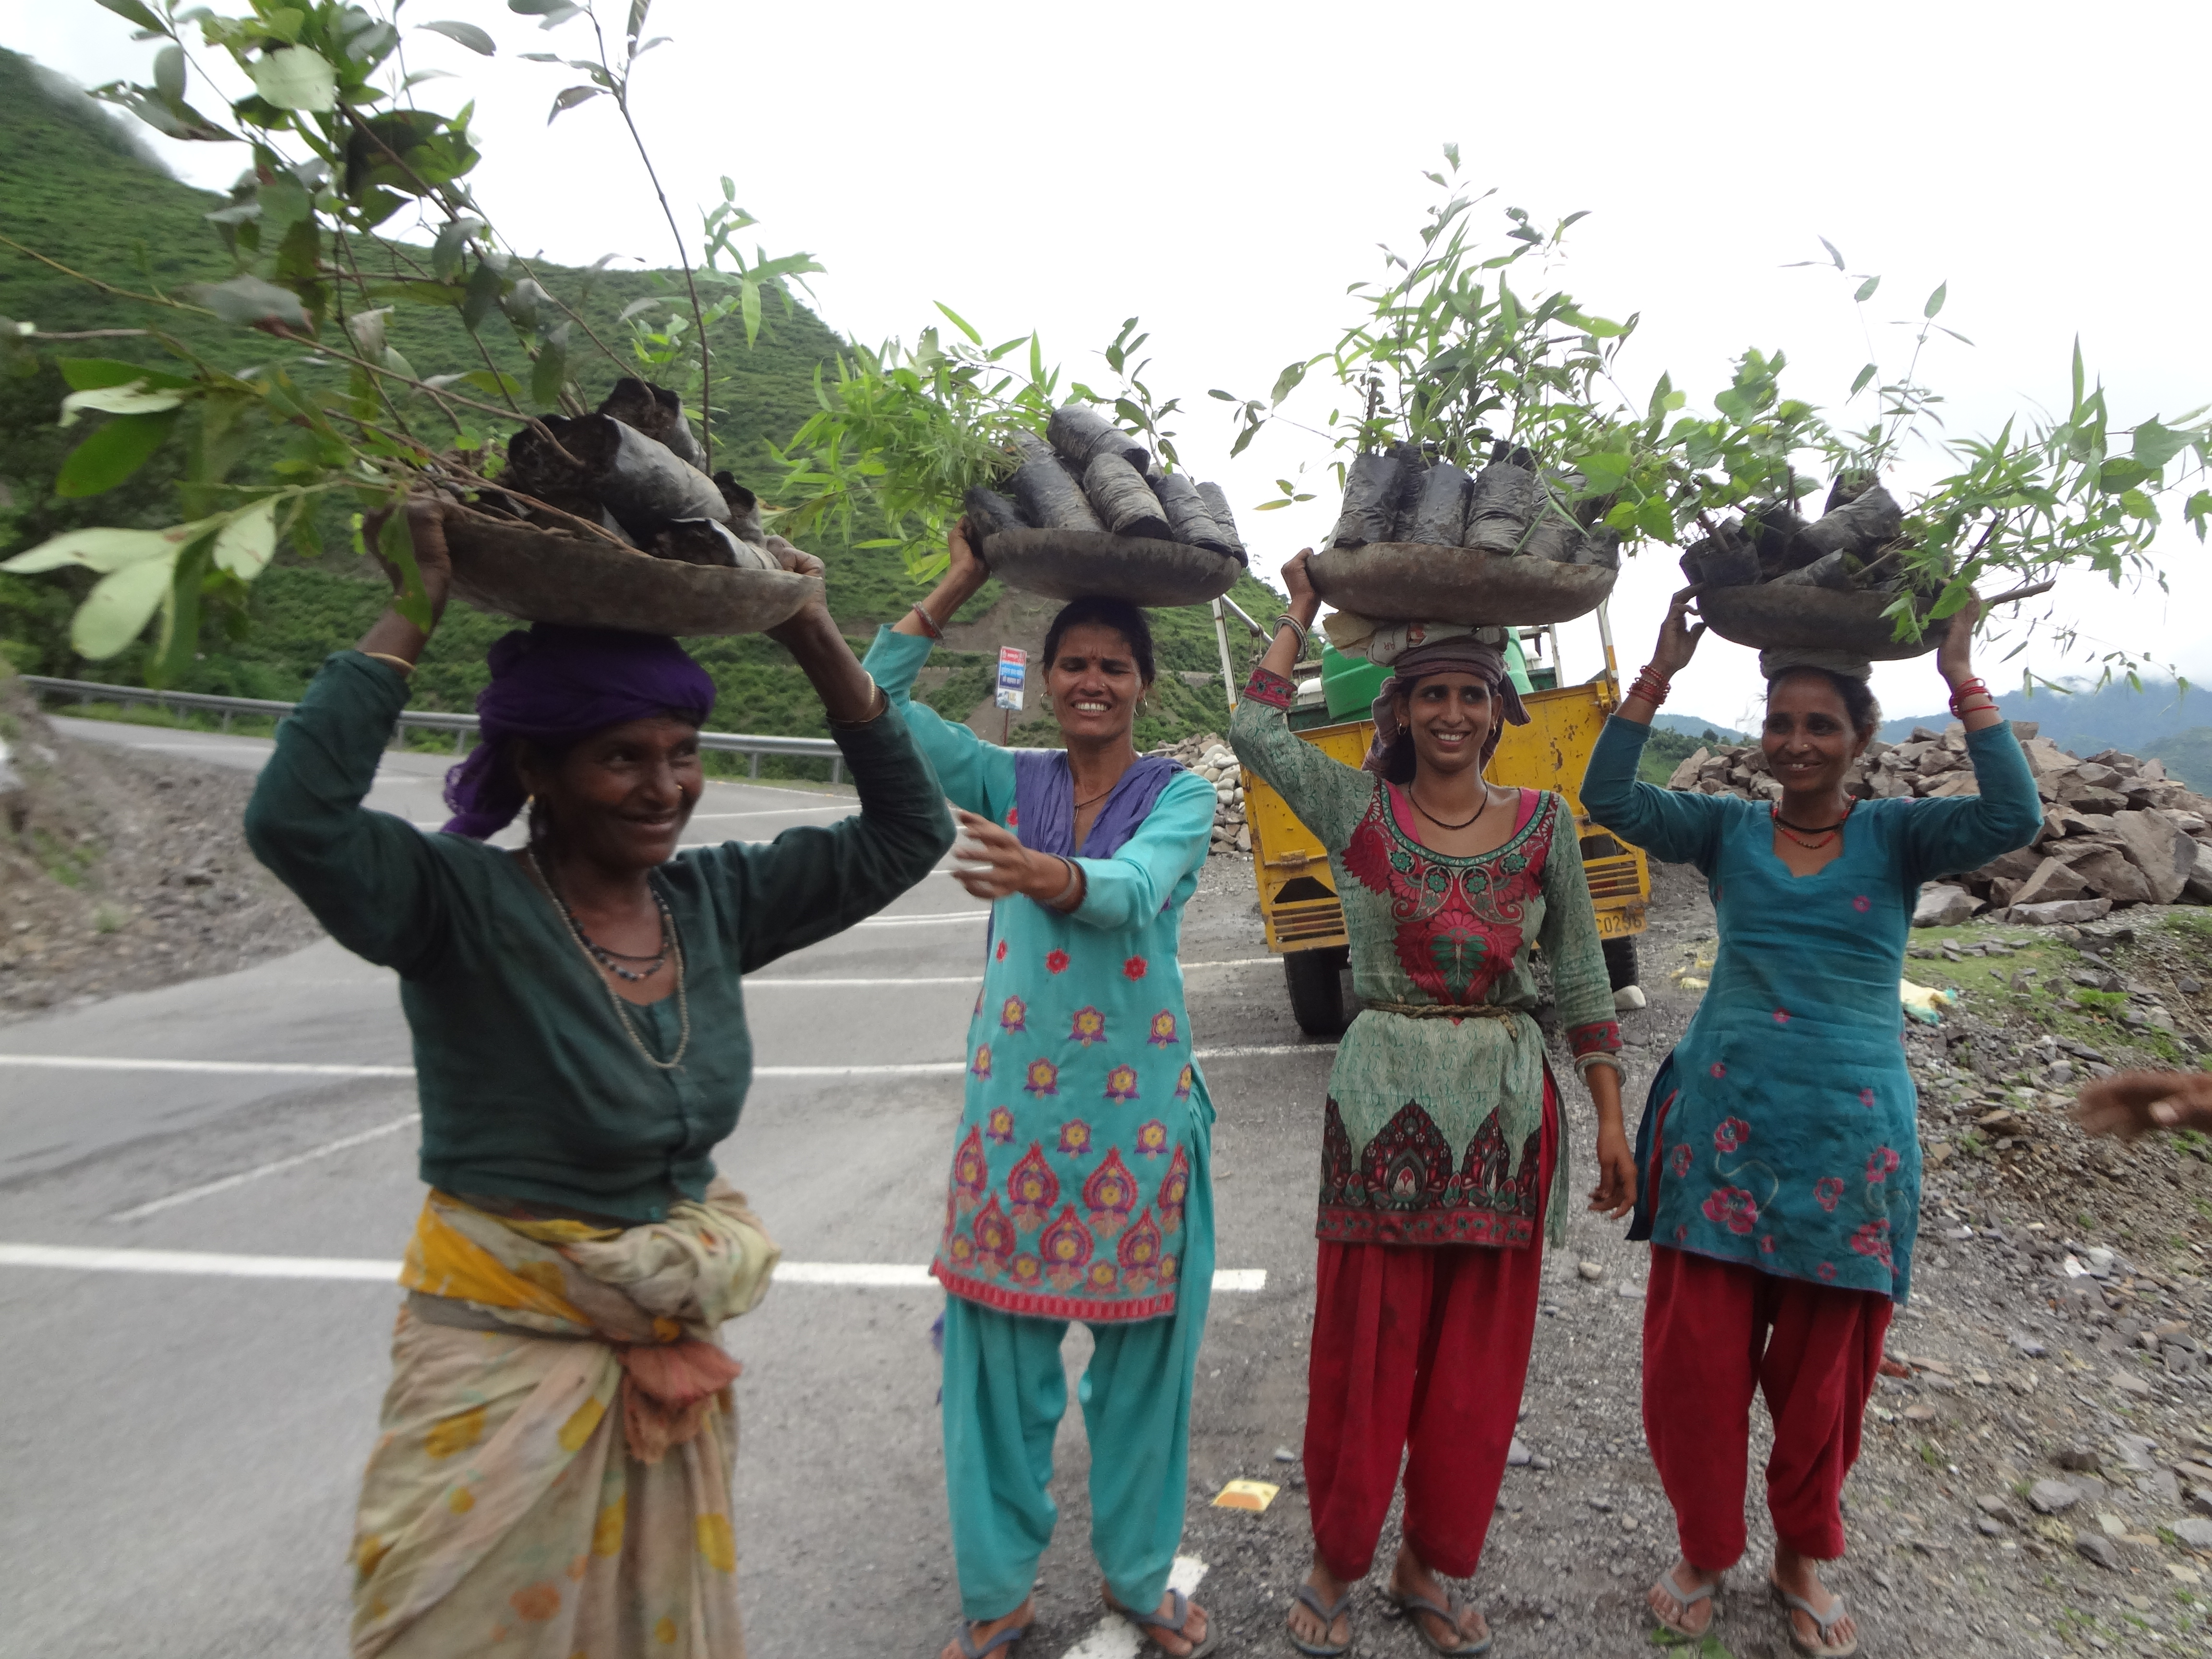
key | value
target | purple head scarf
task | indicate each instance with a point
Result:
(554, 685)
(1463, 656)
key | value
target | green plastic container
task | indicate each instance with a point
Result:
(1351, 685)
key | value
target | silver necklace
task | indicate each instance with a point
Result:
(671, 939)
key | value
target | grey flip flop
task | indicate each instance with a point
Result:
(1005, 1638)
(1149, 1622)
(1311, 1597)
(1451, 1611)
(1822, 1649)
(1688, 1598)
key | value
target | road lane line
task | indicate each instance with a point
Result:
(208, 1189)
(301, 1068)
(871, 1275)
(922, 921)
(856, 984)
(224, 1068)
(1115, 1638)
(954, 979)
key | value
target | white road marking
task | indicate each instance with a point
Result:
(923, 921)
(301, 1068)
(1115, 1638)
(208, 1189)
(227, 1067)
(856, 984)
(954, 979)
(775, 812)
(210, 1264)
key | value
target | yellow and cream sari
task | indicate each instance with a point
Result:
(552, 1476)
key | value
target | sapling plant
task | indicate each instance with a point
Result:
(356, 200)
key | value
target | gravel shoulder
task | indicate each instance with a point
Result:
(2010, 1367)
(124, 871)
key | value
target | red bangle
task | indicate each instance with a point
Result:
(1650, 686)
(1971, 689)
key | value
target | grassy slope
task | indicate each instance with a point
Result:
(74, 185)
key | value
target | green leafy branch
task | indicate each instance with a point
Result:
(339, 148)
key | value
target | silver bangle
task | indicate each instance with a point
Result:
(1304, 632)
(1074, 880)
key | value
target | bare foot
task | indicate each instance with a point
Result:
(1308, 1627)
(1696, 1617)
(979, 1633)
(1799, 1575)
(1411, 1576)
(1166, 1638)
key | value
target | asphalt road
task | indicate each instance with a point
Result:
(182, 1447)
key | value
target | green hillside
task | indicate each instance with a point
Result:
(75, 185)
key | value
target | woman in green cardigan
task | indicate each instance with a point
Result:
(553, 1471)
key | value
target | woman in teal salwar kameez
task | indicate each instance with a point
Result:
(1778, 1148)
(1080, 1185)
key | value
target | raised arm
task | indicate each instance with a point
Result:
(815, 881)
(1135, 885)
(1963, 832)
(1328, 796)
(373, 880)
(1681, 829)
(976, 776)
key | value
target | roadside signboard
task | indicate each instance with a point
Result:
(1013, 671)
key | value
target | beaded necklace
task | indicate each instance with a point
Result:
(671, 944)
(1797, 832)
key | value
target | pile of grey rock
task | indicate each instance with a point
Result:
(2117, 831)
(1210, 758)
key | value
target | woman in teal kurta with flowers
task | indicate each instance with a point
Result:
(1781, 1166)
(1080, 1185)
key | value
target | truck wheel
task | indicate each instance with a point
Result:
(1620, 962)
(1315, 980)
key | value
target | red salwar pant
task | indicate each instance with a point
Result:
(1419, 1352)
(1712, 1331)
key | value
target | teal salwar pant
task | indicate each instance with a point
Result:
(1006, 1391)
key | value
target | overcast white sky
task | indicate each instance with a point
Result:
(1224, 171)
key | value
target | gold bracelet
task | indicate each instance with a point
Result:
(405, 667)
(879, 704)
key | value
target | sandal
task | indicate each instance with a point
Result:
(1311, 1597)
(1451, 1611)
(1821, 1649)
(1149, 1622)
(1005, 1638)
(1687, 1599)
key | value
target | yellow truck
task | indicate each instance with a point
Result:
(1297, 892)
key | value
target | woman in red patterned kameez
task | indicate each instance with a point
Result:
(1443, 1157)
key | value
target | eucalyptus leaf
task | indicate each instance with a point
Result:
(247, 298)
(297, 78)
(169, 74)
(569, 99)
(101, 549)
(136, 398)
(467, 34)
(485, 286)
(1935, 299)
(448, 252)
(246, 545)
(141, 15)
(121, 604)
(112, 454)
(87, 373)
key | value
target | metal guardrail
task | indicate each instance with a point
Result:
(463, 726)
